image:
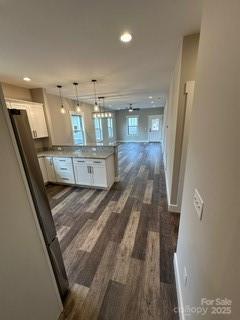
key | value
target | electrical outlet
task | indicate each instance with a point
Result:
(185, 277)
(198, 204)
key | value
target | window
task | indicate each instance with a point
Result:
(98, 129)
(110, 127)
(78, 129)
(155, 124)
(132, 126)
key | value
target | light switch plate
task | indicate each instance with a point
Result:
(198, 204)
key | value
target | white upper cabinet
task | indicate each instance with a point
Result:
(37, 121)
(35, 114)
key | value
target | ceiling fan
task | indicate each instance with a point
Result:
(131, 109)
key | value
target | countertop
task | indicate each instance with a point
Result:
(76, 154)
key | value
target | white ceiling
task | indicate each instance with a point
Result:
(61, 41)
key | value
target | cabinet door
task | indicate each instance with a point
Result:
(15, 105)
(99, 176)
(43, 169)
(37, 121)
(83, 174)
(50, 169)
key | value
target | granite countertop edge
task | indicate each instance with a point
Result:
(75, 154)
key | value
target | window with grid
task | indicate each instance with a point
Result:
(132, 126)
(78, 129)
(110, 127)
(98, 129)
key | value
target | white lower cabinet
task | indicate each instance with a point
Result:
(51, 177)
(99, 176)
(64, 170)
(82, 173)
(97, 173)
(94, 172)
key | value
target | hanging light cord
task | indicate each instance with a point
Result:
(95, 93)
(60, 95)
(76, 92)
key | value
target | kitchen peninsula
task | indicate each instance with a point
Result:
(90, 165)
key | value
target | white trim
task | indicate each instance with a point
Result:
(81, 114)
(171, 207)
(178, 287)
(137, 141)
(18, 101)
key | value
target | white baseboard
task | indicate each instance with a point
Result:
(179, 290)
(171, 207)
(128, 141)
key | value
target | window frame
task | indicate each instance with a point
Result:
(110, 128)
(100, 129)
(82, 124)
(132, 126)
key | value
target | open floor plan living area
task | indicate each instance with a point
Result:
(119, 166)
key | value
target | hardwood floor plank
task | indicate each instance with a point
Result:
(62, 231)
(125, 249)
(92, 304)
(95, 232)
(61, 193)
(150, 295)
(71, 251)
(148, 192)
(96, 202)
(90, 266)
(75, 300)
(123, 199)
(168, 302)
(111, 306)
(67, 201)
(129, 301)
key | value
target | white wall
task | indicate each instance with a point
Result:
(27, 288)
(121, 124)
(185, 70)
(61, 129)
(210, 248)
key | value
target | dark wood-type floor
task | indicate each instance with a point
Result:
(118, 245)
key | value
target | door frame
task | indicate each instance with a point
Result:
(161, 126)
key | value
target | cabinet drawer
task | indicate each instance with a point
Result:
(62, 161)
(80, 161)
(89, 161)
(66, 180)
(98, 162)
(63, 168)
(65, 176)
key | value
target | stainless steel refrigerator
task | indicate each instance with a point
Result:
(29, 158)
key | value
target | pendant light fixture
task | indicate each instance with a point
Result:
(96, 106)
(75, 84)
(130, 107)
(102, 113)
(62, 110)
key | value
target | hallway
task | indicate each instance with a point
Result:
(118, 245)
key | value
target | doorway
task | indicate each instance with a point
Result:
(155, 128)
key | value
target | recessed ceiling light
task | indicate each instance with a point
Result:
(150, 97)
(126, 37)
(26, 79)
